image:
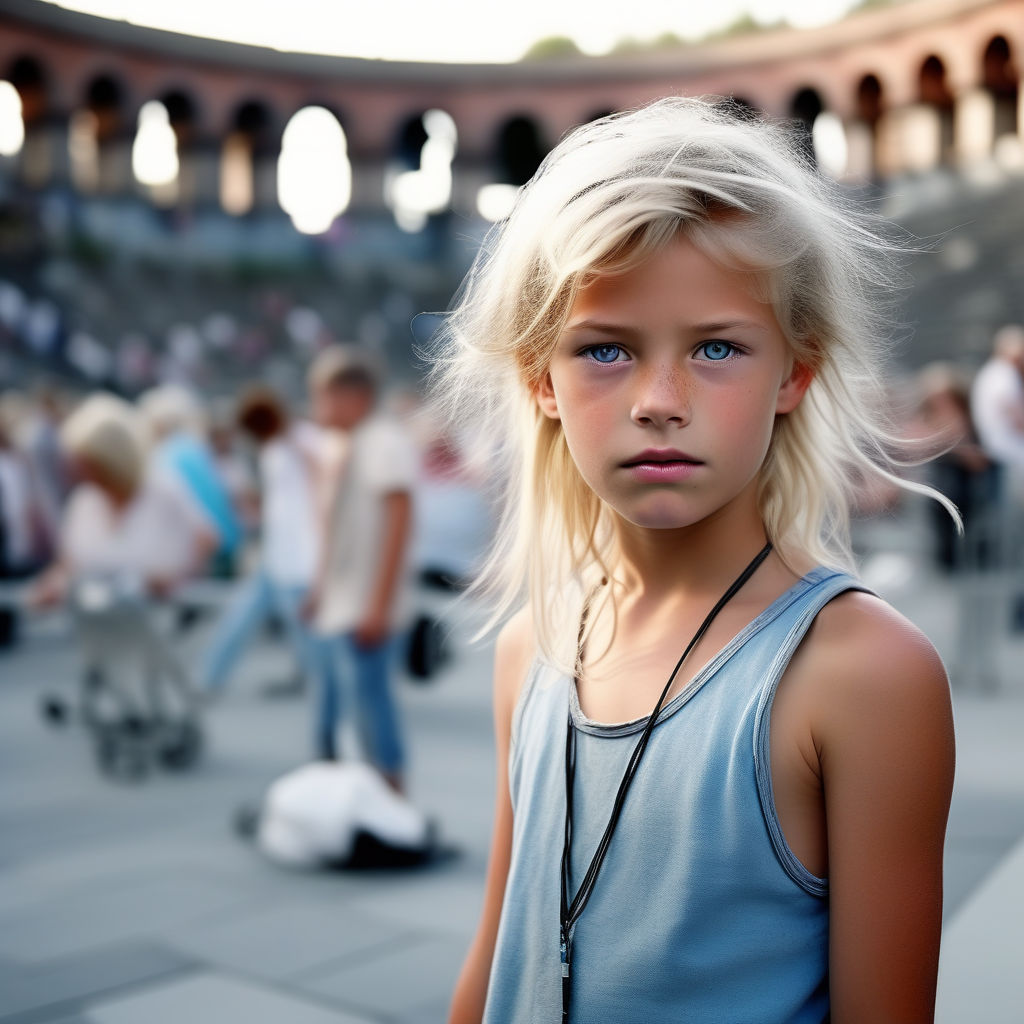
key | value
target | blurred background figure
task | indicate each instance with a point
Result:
(129, 539)
(233, 466)
(40, 440)
(997, 407)
(180, 452)
(291, 471)
(21, 545)
(361, 598)
(454, 524)
(122, 518)
(962, 470)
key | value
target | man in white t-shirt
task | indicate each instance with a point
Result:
(362, 591)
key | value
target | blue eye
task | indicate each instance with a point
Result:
(716, 351)
(604, 353)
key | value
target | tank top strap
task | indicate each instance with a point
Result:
(829, 586)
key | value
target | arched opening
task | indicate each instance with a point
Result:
(155, 161)
(862, 135)
(98, 132)
(1000, 80)
(247, 138)
(519, 150)
(23, 110)
(869, 100)
(314, 175)
(935, 144)
(418, 180)
(805, 108)
(182, 116)
(27, 76)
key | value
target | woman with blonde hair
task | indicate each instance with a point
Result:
(724, 767)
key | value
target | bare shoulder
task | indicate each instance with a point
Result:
(513, 652)
(863, 642)
(872, 671)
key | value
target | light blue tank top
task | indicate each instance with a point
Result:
(701, 911)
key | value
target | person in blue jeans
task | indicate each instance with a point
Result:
(290, 467)
(362, 592)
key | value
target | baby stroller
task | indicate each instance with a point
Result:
(136, 703)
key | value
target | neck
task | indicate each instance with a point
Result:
(705, 557)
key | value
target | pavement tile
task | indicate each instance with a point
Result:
(280, 940)
(25, 988)
(215, 999)
(441, 900)
(106, 913)
(979, 967)
(414, 978)
(430, 1013)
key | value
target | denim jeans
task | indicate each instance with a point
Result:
(250, 605)
(362, 675)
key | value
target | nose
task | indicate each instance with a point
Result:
(661, 397)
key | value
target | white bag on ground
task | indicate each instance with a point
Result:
(312, 817)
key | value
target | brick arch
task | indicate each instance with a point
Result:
(183, 111)
(108, 99)
(29, 75)
(519, 146)
(256, 119)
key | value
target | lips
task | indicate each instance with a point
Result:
(662, 467)
(662, 457)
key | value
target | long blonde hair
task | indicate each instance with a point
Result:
(607, 197)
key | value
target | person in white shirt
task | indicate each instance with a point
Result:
(363, 589)
(290, 473)
(121, 520)
(997, 406)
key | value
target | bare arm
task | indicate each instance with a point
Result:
(396, 512)
(884, 732)
(511, 660)
(328, 477)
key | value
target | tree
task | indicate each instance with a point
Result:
(551, 48)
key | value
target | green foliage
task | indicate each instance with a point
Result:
(552, 48)
(744, 25)
(870, 5)
(665, 41)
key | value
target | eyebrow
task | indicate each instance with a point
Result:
(601, 328)
(709, 327)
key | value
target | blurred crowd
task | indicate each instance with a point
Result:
(321, 515)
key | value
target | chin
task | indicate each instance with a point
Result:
(660, 516)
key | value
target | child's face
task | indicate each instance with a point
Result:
(667, 381)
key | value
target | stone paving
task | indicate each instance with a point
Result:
(126, 903)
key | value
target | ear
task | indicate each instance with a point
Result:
(793, 388)
(546, 400)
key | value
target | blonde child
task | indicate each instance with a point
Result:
(724, 768)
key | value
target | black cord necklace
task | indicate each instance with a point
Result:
(570, 911)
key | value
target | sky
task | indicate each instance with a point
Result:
(449, 30)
